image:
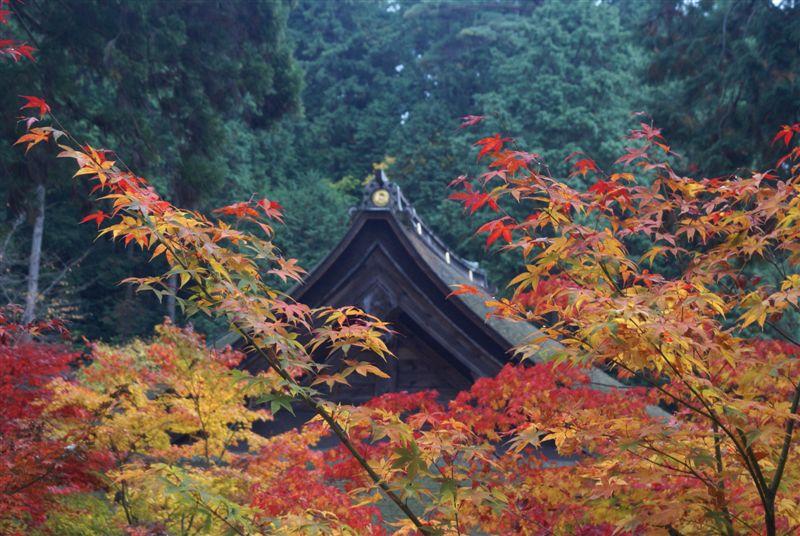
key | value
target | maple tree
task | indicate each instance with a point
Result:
(219, 269)
(685, 287)
(39, 464)
(711, 338)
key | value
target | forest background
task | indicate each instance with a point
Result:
(311, 94)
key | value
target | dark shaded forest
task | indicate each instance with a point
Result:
(310, 95)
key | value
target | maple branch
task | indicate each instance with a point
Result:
(710, 412)
(745, 451)
(37, 478)
(652, 383)
(721, 482)
(455, 499)
(689, 469)
(760, 482)
(782, 333)
(64, 271)
(751, 462)
(661, 389)
(318, 408)
(769, 256)
(313, 403)
(14, 226)
(202, 504)
(787, 442)
(21, 16)
(196, 401)
(126, 507)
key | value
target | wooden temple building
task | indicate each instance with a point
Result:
(390, 264)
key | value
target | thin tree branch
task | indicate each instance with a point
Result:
(64, 271)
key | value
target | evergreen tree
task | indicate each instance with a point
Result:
(164, 80)
(727, 75)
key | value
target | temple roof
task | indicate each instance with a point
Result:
(449, 269)
(391, 264)
(444, 267)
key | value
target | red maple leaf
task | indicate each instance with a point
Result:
(272, 209)
(493, 174)
(794, 154)
(9, 47)
(632, 154)
(583, 166)
(492, 144)
(610, 190)
(786, 132)
(24, 50)
(497, 229)
(512, 161)
(239, 210)
(465, 289)
(35, 103)
(601, 187)
(288, 269)
(473, 200)
(648, 132)
(96, 217)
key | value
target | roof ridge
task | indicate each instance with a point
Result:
(384, 195)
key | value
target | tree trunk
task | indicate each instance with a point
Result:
(35, 261)
(769, 518)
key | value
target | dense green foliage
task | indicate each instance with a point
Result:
(726, 75)
(168, 84)
(296, 102)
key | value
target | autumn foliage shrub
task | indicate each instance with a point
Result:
(506, 456)
(40, 462)
(172, 421)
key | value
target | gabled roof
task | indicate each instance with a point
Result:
(394, 226)
(391, 264)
